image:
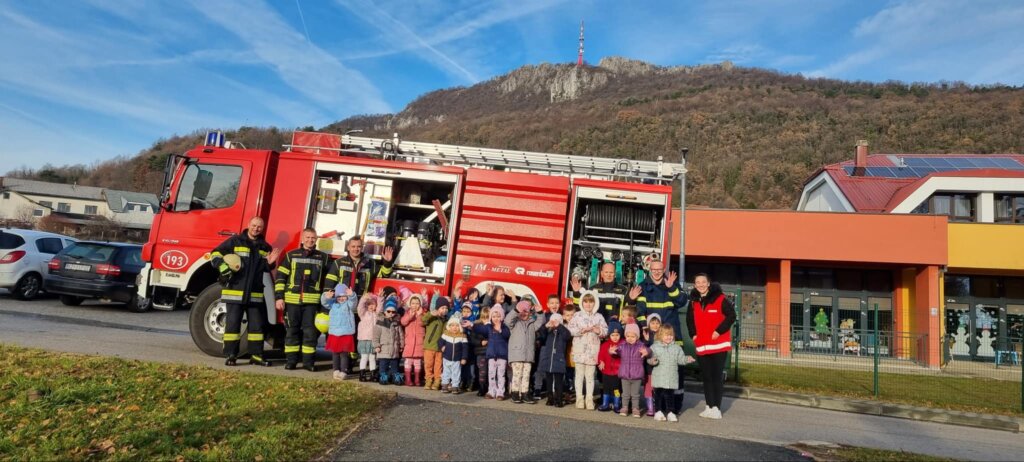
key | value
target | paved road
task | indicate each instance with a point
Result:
(413, 429)
(163, 336)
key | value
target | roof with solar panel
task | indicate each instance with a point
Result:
(874, 183)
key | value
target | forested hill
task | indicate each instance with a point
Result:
(754, 135)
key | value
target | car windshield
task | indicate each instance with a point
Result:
(10, 241)
(90, 252)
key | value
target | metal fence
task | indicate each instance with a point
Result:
(880, 364)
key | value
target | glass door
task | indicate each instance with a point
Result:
(851, 320)
(822, 325)
(799, 312)
(985, 330)
(958, 326)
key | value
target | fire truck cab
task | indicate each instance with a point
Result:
(525, 221)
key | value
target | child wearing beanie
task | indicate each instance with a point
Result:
(608, 365)
(497, 334)
(412, 324)
(631, 353)
(554, 358)
(433, 325)
(523, 325)
(367, 309)
(454, 350)
(388, 341)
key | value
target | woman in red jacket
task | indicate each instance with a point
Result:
(710, 320)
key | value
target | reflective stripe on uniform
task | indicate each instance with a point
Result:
(232, 337)
(713, 346)
(308, 350)
(659, 305)
(295, 299)
(231, 294)
(291, 348)
(254, 337)
(284, 270)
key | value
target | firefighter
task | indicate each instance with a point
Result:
(243, 289)
(297, 289)
(611, 296)
(356, 270)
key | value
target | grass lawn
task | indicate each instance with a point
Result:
(840, 453)
(954, 393)
(56, 406)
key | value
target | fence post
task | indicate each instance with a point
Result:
(876, 350)
(739, 334)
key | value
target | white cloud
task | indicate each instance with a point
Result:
(933, 40)
(309, 70)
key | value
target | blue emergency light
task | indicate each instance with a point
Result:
(215, 139)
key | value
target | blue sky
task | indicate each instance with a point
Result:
(88, 80)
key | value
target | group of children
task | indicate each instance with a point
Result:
(444, 344)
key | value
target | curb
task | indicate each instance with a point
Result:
(899, 411)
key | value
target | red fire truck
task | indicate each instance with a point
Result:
(526, 221)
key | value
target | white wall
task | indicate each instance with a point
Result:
(822, 195)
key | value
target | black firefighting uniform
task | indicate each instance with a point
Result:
(243, 291)
(299, 283)
(357, 276)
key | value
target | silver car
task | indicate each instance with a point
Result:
(24, 255)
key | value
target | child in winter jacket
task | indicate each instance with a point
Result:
(568, 312)
(478, 342)
(497, 334)
(523, 325)
(367, 309)
(554, 359)
(387, 342)
(454, 350)
(608, 364)
(414, 334)
(587, 327)
(631, 353)
(466, 312)
(666, 356)
(341, 342)
(649, 334)
(433, 326)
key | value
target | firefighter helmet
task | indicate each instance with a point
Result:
(233, 261)
(322, 321)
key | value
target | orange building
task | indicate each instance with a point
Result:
(798, 274)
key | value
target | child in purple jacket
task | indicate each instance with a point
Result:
(631, 355)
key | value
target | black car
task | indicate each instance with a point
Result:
(103, 270)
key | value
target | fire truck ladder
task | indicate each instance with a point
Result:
(539, 162)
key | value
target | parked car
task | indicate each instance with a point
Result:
(100, 270)
(24, 254)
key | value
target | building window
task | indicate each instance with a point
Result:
(142, 208)
(90, 210)
(1009, 209)
(959, 207)
(46, 204)
(63, 207)
(37, 212)
(7, 195)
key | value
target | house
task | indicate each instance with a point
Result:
(82, 211)
(981, 198)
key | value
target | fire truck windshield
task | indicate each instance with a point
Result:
(207, 186)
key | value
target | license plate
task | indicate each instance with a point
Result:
(76, 267)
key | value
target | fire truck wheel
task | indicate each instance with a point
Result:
(206, 322)
(138, 305)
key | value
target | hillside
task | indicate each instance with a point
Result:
(754, 135)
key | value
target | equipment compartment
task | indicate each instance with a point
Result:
(388, 208)
(626, 228)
